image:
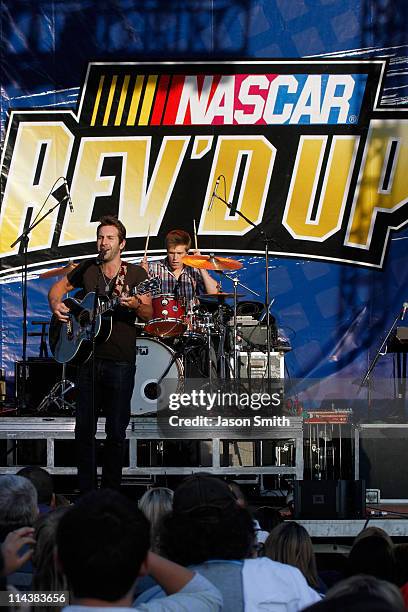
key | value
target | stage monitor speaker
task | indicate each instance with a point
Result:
(41, 375)
(326, 499)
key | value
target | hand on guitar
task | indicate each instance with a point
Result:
(142, 304)
(61, 311)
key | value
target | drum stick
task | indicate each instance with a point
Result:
(195, 235)
(147, 242)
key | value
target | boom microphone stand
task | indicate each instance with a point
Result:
(24, 240)
(266, 240)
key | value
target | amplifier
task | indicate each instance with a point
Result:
(253, 364)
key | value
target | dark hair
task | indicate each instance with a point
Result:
(176, 238)
(216, 533)
(101, 544)
(374, 556)
(112, 220)
(267, 517)
(41, 479)
(361, 594)
(401, 563)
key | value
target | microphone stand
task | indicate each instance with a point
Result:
(267, 240)
(24, 239)
(379, 353)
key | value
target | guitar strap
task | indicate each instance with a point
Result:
(120, 279)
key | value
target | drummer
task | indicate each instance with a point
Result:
(176, 278)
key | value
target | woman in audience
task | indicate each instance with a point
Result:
(291, 544)
(155, 504)
(47, 575)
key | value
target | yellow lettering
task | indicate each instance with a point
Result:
(139, 205)
(230, 151)
(371, 196)
(20, 192)
(298, 217)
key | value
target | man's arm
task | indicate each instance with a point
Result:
(211, 285)
(187, 590)
(55, 295)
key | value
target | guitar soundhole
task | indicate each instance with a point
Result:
(84, 318)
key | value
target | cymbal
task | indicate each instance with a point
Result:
(208, 262)
(220, 295)
(59, 271)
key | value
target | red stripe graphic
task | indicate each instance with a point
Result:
(160, 99)
(173, 100)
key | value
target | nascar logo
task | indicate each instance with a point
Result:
(241, 99)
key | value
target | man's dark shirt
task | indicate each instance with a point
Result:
(121, 345)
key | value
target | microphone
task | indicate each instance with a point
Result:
(100, 257)
(68, 197)
(62, 194)
(214, 194)
(404, 310)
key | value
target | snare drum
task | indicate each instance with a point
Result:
(168, 317)
(153, 359)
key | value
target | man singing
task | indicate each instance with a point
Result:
(110, 390)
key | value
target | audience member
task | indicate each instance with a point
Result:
(156, 503)
(102, 546)
(18, 508)
(42, 480)
(267, 518)
(401, 569)
(47, 576)
(373, 531)
(372, 555)
(208, 531)
(361, 594)
(290, 543)
(10, 558)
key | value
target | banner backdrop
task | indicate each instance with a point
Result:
(313, 150)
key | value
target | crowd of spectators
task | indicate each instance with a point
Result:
(199, 548)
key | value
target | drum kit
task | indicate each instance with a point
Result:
(186, 339)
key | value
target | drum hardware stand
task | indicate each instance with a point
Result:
(57, 394)
(23, 239)
(235, 282)
(267, 241)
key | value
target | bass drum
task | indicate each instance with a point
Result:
(154, 362)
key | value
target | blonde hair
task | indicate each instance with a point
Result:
(291, 544)
(47, 576)
(155, 504)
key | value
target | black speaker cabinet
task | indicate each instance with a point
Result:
(40, 376)
(383, 456)
(325, 499)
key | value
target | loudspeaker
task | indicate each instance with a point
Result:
(40, 376)
(325, 499)
(383, 453)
